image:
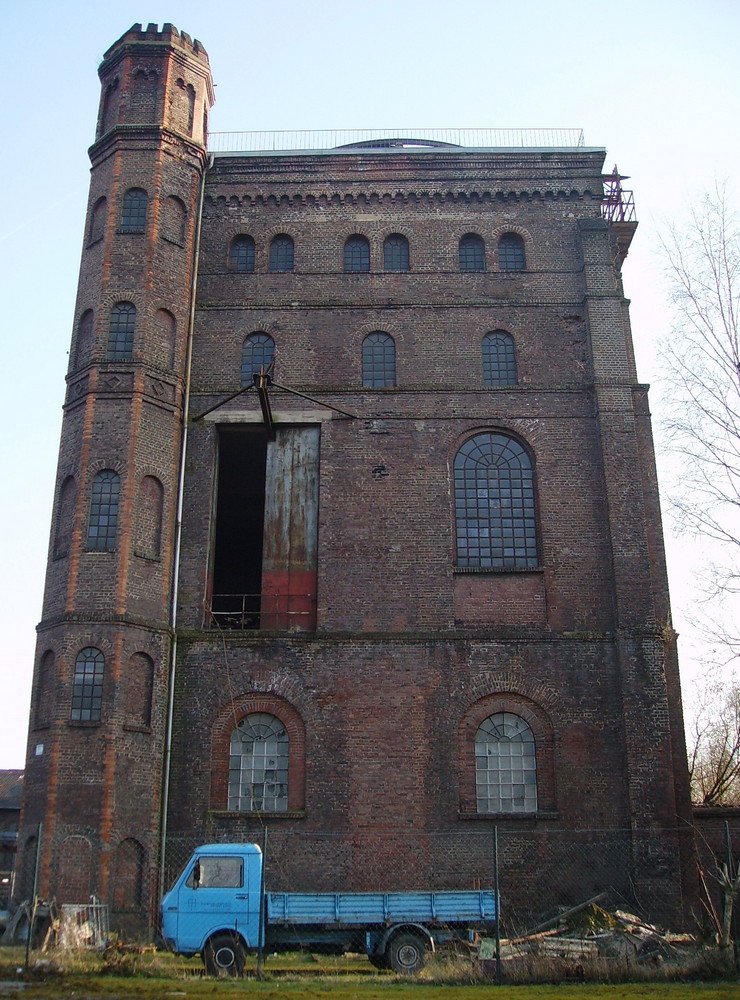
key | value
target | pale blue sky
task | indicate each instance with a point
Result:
(655, 82)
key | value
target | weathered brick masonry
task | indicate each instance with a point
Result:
(371, 641)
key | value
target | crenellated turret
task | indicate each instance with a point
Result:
(98, 723)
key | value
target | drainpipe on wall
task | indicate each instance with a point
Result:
(178, 538)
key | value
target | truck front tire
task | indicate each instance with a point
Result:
(407, 954)
(224, 955)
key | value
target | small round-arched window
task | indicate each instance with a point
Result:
(258, 352)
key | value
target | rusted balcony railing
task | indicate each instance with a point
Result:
(290, 612)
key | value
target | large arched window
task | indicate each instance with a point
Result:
(101, 531)
(505, 765)
(133, 213)
(494, 504)
(258, 765)
(87, 687)
(378, 361)
(282, 253)
(511, 252)
(357, 254)
(121, 331)
(499, 359)
(396, 253)
(472, 253)
(258, 352)
(241, 254)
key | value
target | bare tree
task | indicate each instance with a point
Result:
(701, 360)
(714, 763)
(703, 365)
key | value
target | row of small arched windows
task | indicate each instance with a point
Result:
(396, 255)
(379, 359)
(505, 765)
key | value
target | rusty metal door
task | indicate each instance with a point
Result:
(290, 530)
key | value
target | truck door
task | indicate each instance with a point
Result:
(216, 894)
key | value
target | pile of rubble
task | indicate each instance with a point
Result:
(587, 933)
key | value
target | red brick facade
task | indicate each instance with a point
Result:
(382, 683)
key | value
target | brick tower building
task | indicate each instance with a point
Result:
(356, 536)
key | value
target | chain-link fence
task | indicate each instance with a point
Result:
(665, 877)
(537, 873)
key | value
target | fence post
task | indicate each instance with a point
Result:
(498, 905)
(32, 918)
(261, 925)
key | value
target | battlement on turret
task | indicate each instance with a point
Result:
(138, 35)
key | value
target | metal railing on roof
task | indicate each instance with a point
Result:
(529, 138)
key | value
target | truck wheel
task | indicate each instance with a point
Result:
(407, 954)
(224, 955)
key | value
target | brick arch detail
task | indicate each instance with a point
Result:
(223, 727)
(538, 721)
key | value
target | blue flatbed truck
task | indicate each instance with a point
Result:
(218, 908)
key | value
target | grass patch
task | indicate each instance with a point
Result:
(151, 975)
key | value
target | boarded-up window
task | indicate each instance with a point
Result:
(97, 220)
(163, 343)
(174, 220)
(143, 102)
(43, 693)
(75, 871)
(109, 110)
(183, 108)
(128, 883)
(139, 686)
(149, 518)
(65, 517)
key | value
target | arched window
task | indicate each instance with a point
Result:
(241, 254)
(281, 253)
(357, 254)
(258, 352)
(121, 331)
(396, 253)
(472, 253)
(87, 688)
(378, 361)
(505, 765)
(499, 359)
(258, 765)
(101, 532)
(133, 213)
(494, 504)
(511, 252)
